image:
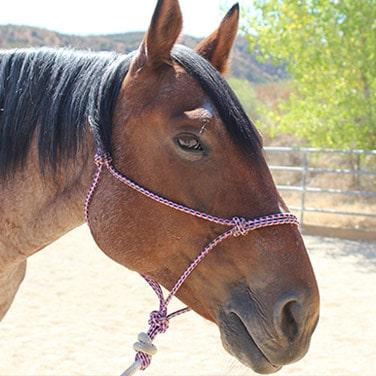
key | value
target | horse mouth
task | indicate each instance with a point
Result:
(239, 342)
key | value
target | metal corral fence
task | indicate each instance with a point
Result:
(306, 170)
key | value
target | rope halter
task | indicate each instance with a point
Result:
(159, 319)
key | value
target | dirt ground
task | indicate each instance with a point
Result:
(78, 313)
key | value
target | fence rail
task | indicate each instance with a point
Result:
(320, 150)
(305, 169)
(325, 170)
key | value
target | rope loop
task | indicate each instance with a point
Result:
(144, 360)
(240, 226)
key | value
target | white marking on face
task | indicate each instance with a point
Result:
(207, 110)
(206, 115)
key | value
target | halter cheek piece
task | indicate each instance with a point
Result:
(159, 319)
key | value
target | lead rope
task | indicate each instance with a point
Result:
(159, 319)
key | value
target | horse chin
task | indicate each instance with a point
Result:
(238, 342)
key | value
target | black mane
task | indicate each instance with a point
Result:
(51, 94)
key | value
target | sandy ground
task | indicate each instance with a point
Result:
(78, 313)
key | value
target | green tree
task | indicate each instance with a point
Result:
(247, 96)
(329, 48)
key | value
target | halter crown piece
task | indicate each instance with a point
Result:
(159, 319)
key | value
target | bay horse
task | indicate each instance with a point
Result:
(170, 122)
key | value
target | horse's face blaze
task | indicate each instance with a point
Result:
(259, 289)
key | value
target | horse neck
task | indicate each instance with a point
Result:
(37, 210)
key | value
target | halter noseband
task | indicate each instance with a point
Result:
(159, 319)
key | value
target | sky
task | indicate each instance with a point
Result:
(201, 17)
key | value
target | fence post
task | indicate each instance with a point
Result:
(303, 186)
(357, 169)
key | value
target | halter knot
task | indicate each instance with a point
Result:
(158, 321)
(102, 160)
(240, 226)
(145, 350)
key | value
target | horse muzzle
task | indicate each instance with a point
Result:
(266, 341)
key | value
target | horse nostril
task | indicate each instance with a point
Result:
(289, 317)
(288, 321)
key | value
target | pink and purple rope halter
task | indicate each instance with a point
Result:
(159, 319)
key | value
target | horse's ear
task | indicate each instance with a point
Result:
(217, 47)
(165, 28)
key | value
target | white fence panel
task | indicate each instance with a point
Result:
(305, 169)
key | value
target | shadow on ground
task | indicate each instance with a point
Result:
(363, 253)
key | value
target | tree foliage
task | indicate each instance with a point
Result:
(329, 48)
(247, 96)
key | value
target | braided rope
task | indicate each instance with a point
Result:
(159, 319)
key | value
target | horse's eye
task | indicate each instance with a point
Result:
(189, 142)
